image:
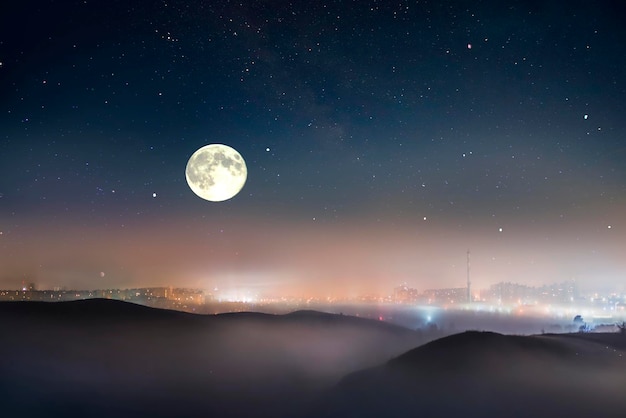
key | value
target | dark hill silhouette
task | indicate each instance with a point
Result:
(488, 375)
(317, 318)
(111, 310)
(97, 308)
(111, 358)
(475, 351)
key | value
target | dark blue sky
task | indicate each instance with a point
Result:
(371, 131)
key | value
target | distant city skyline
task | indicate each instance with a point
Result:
(504, 291)
(560, 302)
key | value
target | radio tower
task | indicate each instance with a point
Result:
(469, 284)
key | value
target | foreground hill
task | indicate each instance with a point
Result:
(102, 358)
(491, 375)
(105, 358)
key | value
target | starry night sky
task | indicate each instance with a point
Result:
(383, 139)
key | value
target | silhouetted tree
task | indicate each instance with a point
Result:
(579, 321)
(622, 327)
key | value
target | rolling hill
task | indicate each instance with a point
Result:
(486, 374)
(103, 358)
(115, 358)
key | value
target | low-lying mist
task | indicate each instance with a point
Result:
(208, 363)
(102, 358)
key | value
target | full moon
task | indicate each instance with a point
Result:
(216, 172)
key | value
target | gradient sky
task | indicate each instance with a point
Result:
(383, 139)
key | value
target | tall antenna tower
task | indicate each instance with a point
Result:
(469, 284)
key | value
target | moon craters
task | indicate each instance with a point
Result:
(216, 172)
